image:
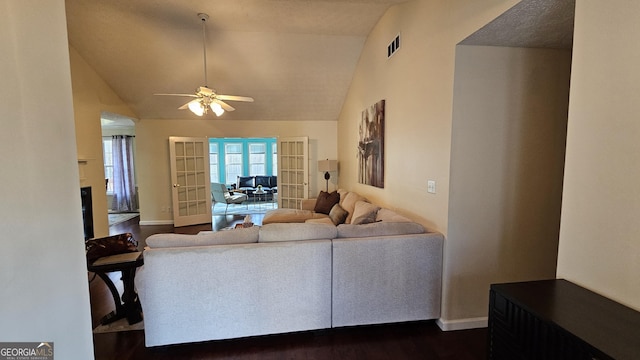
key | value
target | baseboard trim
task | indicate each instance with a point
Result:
(462, 324)
(156, 222)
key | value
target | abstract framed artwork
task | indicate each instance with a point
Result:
(371, 145)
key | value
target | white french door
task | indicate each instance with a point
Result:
(293, 171)
(191, 188)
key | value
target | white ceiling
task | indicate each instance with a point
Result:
(295, 57)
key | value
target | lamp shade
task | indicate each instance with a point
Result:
(328, 165)
(196, 107)
(217, 109)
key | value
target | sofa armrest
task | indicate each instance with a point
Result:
(308, 204)
(386, 279)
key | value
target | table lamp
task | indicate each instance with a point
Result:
(327, 166)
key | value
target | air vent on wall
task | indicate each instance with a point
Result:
(393, 47)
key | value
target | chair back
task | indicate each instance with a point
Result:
(219, 192)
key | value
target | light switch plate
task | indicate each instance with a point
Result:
(431, 186)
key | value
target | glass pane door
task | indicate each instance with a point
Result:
(293, 171)
(191, 189)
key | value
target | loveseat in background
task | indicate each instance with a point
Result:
(250, 184)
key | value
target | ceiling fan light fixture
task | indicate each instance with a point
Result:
(196, 107)
(217, 109)
(206, 97)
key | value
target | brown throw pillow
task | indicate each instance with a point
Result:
(338, 215)
(325, 202)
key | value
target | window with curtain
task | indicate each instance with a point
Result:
(125, 196)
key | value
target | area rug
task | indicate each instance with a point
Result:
(244, 208)
(117, 218)
(117, 326)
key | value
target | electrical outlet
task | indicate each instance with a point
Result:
(431, 186)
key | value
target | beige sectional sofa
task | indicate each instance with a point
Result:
(287, 277)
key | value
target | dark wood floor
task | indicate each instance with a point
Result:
(416, 340)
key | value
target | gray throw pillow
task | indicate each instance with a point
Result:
(364, 219)
(338, 215)
(364, 213)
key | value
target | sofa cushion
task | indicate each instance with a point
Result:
(308, 204)
(289, 216)
(349, 204)
(325, 202)
(364, 213)
(236, 236)
(391, 216)
(383, 228)
(343, 193)
(324, 220)
(291, 232)
(338, 215)
(263, 180)
(246, 182)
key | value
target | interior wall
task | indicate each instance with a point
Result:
(92, 96)
(507, 158)
(43, 277)
(152, 151)
(417, 84)
(599, 245)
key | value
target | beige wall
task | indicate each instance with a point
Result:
(507, 158)
(92, 96)
(152, 151)
(44, 294)
(418, 86)
(600, 231)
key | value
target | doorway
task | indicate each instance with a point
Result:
(118, 145)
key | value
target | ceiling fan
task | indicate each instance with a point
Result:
(205, 97)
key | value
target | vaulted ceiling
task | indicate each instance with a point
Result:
(532, 24)
(294, 57)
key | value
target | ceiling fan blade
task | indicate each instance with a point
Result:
(189, 95)
(224, 105)
(234, 98)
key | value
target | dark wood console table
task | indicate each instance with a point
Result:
(127, 264)
(556, 319)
